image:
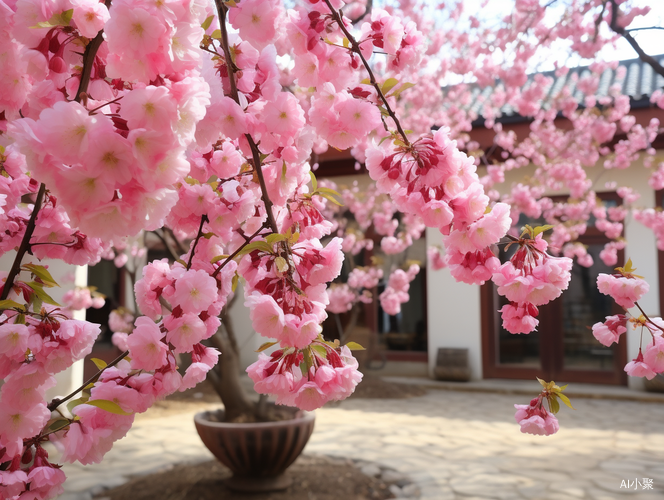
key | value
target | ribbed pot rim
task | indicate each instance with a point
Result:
(306, 416)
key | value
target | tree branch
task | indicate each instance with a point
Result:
(88, 57)
(366, 12)
(171, 252)
(57, 401)
(355, 47)
(25, 244)
(255, 152)
(198, 237)
(635, 45)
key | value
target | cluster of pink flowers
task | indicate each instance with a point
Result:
(396, 291)
(610, 330)
(285, 289)
(625, 288)
(330, 374)
(535, 419)
(83, 298)
(123, 146)
(529, 279)
(33, 348)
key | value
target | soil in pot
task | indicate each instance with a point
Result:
(314, 478)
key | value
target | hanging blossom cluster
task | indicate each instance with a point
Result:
(539, 418)
(627, 288)
(37, 341)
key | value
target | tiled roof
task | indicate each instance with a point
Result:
(639, 82)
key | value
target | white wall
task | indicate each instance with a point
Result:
(454, 316)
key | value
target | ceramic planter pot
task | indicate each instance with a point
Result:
(256, 453)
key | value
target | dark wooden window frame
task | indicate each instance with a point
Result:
(490, 318)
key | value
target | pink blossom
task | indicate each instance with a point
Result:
(654, 355)
(90, 17)
(14, 340)
(185, 331)
(639, 368)
(146, 349)
(519, 318)
(609, 332)
(537, 421)
(195, 291)
(624, 290)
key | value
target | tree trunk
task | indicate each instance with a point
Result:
(225, 377)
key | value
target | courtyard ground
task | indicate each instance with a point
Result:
(451, 444)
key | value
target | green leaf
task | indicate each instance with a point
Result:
(42, 273)
(261, 246)
(39, 292)
(389, 84)
(9, 304)
(366, 81)
(384, 139)
(403, 87)
(216, 34)
(236, 278)
(180, 261)
(99, 363)
(66, 17)
(320, 350)
(209, 235)
(57, 424)
(207, 23)
(563, 387)
(541, 229)
(354, 346)
(281, 263)
(76, 402)
(554, 405)
(542, 382)
(265, 345)
(273, 238)
(314, 182)
(331, 198)
(36, 304)
(58, 19)
(346, 42)
(218, 258)
(328, 191)
(566, 400)
(108, 406)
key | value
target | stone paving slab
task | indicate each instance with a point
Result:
(453, 445)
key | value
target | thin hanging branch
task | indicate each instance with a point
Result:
(355, 47)
(25, 244)
(615, 26)
(255, 152)
(57, 401)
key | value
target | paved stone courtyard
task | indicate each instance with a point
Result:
(453, 445)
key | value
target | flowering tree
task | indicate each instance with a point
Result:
(202, 119)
